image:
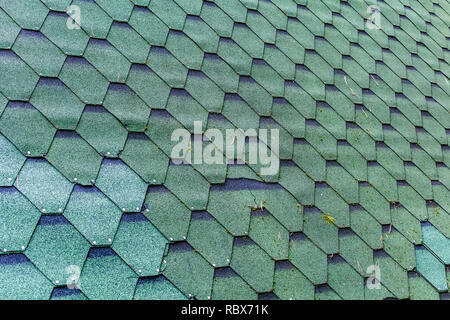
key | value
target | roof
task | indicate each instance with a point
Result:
(91, 207)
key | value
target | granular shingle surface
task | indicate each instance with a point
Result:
(92, 207)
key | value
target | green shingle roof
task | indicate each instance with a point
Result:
(87, 189)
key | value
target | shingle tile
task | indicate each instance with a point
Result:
(139, 244)
(93, 214)
(106, 276)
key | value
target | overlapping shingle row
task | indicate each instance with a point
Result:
(87, 189)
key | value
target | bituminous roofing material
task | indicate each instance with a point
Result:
(87, 188)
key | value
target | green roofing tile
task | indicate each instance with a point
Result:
(169, 12)
(145, 158)
(119, 10)
(276, 12)
(26, 128)
(279, 62)
(167, 213)
(326, 293)
(123, 103)
(18, 79)
(300, 99)
(74, 158)
(405, 125)
(308, 258)
(183, 48)
(44, 186)
(431, 268)
(28, 14)
(269, 234)
(366, 227)
(253, 264)
(22, 280)
(228, 285)
(108, 60)
(362, 118)
(392, 275)
(355, 251)
(374, 203)
(95, 21)
(329, 202)
(424, 162)
(236, 218)
(289, 177)
(64, 293)
(125, 39)
(106, 277)
(255, 95)
(309, 160)
(9, 31)
(328, 52)
(340, 180)
(290, 284)
(205, 91)
(321, 140)
(157, 288)
(436, 242)
(267, 77)
(93, 214)
(217, 19)
(352, 161)
(148, 86)
(259, 25)
(114, 178)
(19, 218)
(429, 144)
(191, 7)
(235, 56)
(390, 161)
(418, 181)
(310, 20)
(337, 40)
(11, 161)
(280, 203)
(57, 103)
(210, 239)
(71, 41)
(84, 80)
(95, 127)
(189, 271)
(233, 8)
(179, 177)
(288, 117)
(310, 82)
(340, 103)
(323, 233)
(345, 280)
(420, 289)
(167, 67)
(221, 73)
(56, 246)
(139, 244)
(399, 248)
(248, 40)
(412, 201)
(382, 181)
(31, 44)
(149, 26)
(300, 33)
(201, 33)
(319, 66)
(406, 223)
